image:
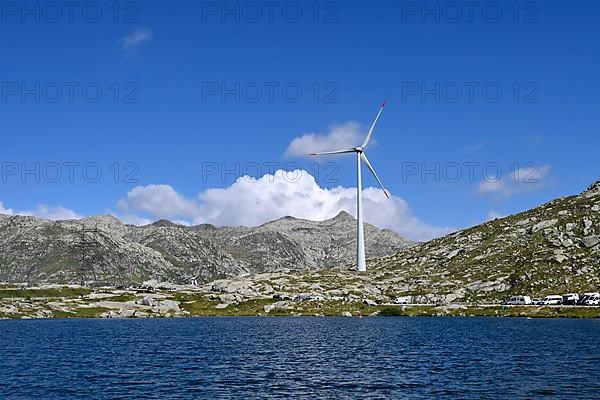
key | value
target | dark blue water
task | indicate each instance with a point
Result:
(296, 358)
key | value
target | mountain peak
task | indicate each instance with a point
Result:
(205, 227)
(164, 223)
(287, 217)
(343, 216)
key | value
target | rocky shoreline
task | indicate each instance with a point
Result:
(224, 298)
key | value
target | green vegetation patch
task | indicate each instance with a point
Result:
(201, 306)
(30, 293)
(91, 312)
(413, 311)
(122, 298)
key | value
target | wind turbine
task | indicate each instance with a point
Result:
(360, 155)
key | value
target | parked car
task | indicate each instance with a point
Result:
(553, 300)
(402, 300)
(537, 302)
(593, 300)
(586, 296)
(570, 299)
(519, 301)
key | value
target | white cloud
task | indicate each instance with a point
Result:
(134, 40)
(250, 202)
(4, 210)
(54, 213)
(162, 201)
(523, 180)
(342, 136)
(44, 211)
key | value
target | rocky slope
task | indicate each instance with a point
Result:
(101, 250)
(554, 248)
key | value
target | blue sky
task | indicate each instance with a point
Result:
(193, 95)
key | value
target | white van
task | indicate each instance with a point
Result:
(402, 300)
(570, 298)
(519, 301)
(553, 300)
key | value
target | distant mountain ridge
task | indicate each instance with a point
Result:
(102, 250)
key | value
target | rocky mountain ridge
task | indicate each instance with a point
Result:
(103, 251)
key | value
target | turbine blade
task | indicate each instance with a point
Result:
(333, 152)
(366, 161)
(373, 125)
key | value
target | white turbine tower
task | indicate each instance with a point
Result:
(360, 155)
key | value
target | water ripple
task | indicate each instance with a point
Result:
(300, 358)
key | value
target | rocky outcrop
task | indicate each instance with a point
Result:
(593, 190)
(277, 306)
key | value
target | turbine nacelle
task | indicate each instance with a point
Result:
(360, 150)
